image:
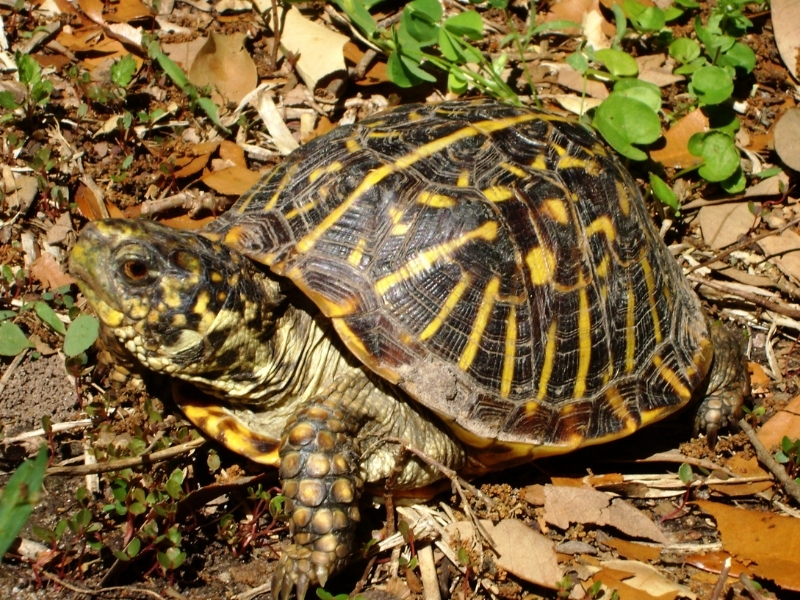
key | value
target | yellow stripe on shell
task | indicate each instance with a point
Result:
(479, 326)
(510, 354)
(358, 253)
(672, 379)
(450, 303)
(549, 360)
(498, 193)
(376, 176)
(651, 297)
(630, 331)
(352, 145)
(427, 198)
(602, 225)
(584, 340)
(556, 210)
(539, 163)
(514, 170)
(620, 410)
(330, 168)
(463, 179)
(541, 264)
(623, 198)
(426, 259)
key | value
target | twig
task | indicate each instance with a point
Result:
(742, 244)
(126, 463)
(781, 309)
(55, 428)
(11, 368)
(765, 458)
(751, 589)
(723, 576)
(104, 591)
(427, 568)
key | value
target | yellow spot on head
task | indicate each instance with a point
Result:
(179, 320)
(541, 264)
(221, 296)
(216, 277)
(497, 193)
(201, 303)
(435, 200)
(557, 210)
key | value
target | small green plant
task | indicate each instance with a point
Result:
(789, 457)
(38, 89)
(18, 498)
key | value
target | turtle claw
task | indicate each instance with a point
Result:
(295, 571)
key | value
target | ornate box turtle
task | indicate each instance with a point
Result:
(476, 281)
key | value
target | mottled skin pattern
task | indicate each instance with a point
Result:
(495, 265)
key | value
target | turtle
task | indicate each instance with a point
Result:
(479, 282)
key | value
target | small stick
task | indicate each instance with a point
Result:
(104, 591)
(781, 309)
(765, 458)
(125, 463)
(723, 576)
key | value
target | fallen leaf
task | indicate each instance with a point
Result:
(634, 551)
(129, 10)
(771, 542)
(642, 577)
(565, 505)
(525, 553)
(785, 422)
(224, 64)
(758, 376)
(58, 232)
(713, 562)
(771, 186)
(232, 181)
(281, 136)
(743, 467)
(655, 69)
(675, 153)
(570, 78)
(787, 138)
(47, 270)
(786, 27)
(318, 52)
(724, 224)
(784, 251)
(192, 167)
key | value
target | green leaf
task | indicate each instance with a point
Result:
(644, 18)
(719, 154)
(468, 24)
(684, 50)
(664, 193)
(420, 20)
(358, 13)
(555, 26)
(7, 101)
(643, 91)
(81, 334)
(711, 85)
(173, 71)
(49, 316)
(123, 70)
(625, 121)
(618, 63)
(19, 497)
(403, 71)
(577, 60)
(12, 340)
(30, 71)
(685, 473)
(736, 183)
(739, 55)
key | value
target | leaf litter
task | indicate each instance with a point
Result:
(180, 159)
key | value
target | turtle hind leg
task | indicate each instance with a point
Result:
(728, 384)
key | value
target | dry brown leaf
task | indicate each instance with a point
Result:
(724, 224)
(232, 153)
(713, 563)
(674, 153)
(195, 165)
(758, 376)
(46, 270)
(643, 578)
(565, 505)
(787, 138)
(186, 222)
(232, 181)
(224, 64)
(743, 467)
(771, 542)
(654, 69)
(570, 78)
(786, 25)
(525, 553)
(92, 9)
(184, 53)
(785, 422)
(634, 551)
(577, 11)
(60, 229)
(127, 11)
(772, 186)
(784, 250)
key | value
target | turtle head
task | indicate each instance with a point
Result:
(177, 301)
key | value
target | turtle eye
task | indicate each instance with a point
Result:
(135, 270)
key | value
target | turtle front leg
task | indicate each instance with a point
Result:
(329, 449)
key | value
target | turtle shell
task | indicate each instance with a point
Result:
(497, 264)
